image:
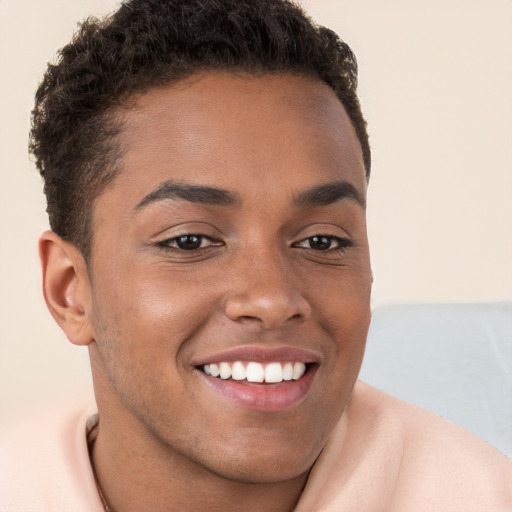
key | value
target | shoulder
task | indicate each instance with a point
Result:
(386, 455)
(443, 466)
(45, 464)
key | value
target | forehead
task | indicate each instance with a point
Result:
(279, 131)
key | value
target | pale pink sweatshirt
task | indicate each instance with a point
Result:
(383, 456)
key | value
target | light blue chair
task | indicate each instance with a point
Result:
(453, 359)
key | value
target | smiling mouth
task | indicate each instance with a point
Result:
(260, 378)
(252, 371)
(266, 386)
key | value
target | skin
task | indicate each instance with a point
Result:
(150, 312)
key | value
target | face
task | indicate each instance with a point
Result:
(233, 240)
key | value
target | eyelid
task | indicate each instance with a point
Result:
(166, 243)
(182, 227)
(322, 227)
(326, 228)
(342, 242)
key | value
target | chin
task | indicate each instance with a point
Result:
(265, 458)
(262, 470)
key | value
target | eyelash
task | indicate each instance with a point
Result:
(342, 243)
(166, 244)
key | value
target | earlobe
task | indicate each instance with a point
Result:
(66, 287)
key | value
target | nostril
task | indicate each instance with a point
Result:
(270, 321)
(272, 305)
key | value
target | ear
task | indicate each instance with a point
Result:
(66, 287)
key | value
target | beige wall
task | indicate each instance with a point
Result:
(435, 83)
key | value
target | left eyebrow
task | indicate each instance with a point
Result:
(192, 193)
(329, 193)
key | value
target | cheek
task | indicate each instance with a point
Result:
(343, 311)
(141, 325)
(341, 297)
(150, 313)
(173, 304)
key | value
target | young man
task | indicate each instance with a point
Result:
(205, 166)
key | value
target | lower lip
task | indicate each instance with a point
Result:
(263, 397)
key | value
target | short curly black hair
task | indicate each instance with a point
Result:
(149, 43)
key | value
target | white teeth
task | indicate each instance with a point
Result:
(225, 370)
(239, 372)
(274, 372)
(214, 370)
(298, 370)
(288, 371)
(255, 372)
(270, 373)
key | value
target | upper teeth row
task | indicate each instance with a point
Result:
(256, 372)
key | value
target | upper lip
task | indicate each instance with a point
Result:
(261, 354)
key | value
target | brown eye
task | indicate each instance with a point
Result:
(189, 242)
(324, 243)
(320, 243)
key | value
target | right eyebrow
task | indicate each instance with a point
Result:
(188, 192)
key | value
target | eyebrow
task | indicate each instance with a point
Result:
(329, 193)
(321, 195)
(193, 193)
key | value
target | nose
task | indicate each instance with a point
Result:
(264, 290)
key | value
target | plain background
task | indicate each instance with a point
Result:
(435, 85)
